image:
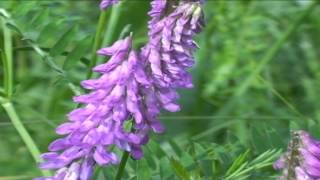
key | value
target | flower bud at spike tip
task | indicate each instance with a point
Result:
(104, 4)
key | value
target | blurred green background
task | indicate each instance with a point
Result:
(257, 76)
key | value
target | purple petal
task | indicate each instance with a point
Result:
(301, 174)
(104, 4)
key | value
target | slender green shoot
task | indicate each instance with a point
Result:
(104, 34)
(122, 165)
(16, 121)
(97, 41)
(7, 59)
(113, 21)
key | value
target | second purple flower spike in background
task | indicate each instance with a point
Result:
(170, 48)
(302, 159)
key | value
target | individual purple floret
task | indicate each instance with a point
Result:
(302, 159)
(104, 4)
(157, 12)
(122, 95)
(170, 47)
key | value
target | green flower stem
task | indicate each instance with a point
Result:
(32, 147)
(114, 19)
(122, 165)
(97, 41)
(7, 59)
(124, 159)
(101, 33)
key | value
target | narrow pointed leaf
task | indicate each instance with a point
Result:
(79, 51)
(63, 42)
(179, 169)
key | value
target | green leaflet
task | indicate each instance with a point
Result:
(63, 42)
(179, 169)
(79, 51)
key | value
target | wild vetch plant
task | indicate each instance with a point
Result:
(133, 88)
(235, 115)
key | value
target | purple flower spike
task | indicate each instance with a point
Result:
(170, 48)
(131, 91)
(302, 160)
(116, 97)
(104, 4)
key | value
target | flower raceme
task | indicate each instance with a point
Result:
(302, 159)
(122, 94)
(93, 129)
(170, 48)
(124, 103)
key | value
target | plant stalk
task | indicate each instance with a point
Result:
(122, 165)
(101, 34)
(98, 39)
(7, 59)
(114, 18)
(32, 147)
(123, 161)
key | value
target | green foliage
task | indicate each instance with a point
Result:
(256, 78)
(77, 53)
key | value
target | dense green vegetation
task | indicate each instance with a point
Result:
(257, 77)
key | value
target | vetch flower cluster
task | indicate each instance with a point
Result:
(124, 103)
(98, 126)
(302, 159)
(170, 47)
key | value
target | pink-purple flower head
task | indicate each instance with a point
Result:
(132, 89)
(123, 93)
(170, 47)
(104, 4)
(302, 160)
(114, 100)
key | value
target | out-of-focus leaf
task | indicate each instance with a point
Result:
(143, 170)
(179, 169)
(175, 147)
(165, 169)
(45, 33)
(14, 27)
(156, 149)
(238, 162)
(79, 51)
(63, 42)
